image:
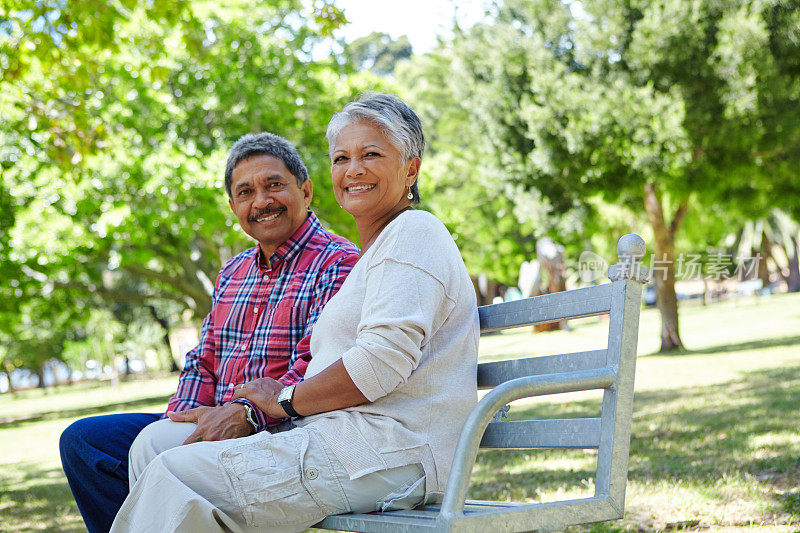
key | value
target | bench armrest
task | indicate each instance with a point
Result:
(480, 416)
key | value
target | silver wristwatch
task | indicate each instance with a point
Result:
(250, 417)
(285, 400)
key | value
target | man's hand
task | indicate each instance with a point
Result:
(215, 423)
(263, 393)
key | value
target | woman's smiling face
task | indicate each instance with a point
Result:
(370, 175)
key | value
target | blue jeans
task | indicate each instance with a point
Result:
(94, 455)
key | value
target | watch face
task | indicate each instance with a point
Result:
(285, 394)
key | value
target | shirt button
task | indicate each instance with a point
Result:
(312, 473)
(244, 347)
(265, 277)
(256, 310)
(230, 385)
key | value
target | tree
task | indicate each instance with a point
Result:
(494, 221)
(377, 52)
(117, 118)
(775, 237)
(36, 334)
(606, 100)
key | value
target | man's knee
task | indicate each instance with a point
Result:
(76, 437)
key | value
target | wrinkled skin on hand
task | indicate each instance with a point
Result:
(227, 421)
(263, 393)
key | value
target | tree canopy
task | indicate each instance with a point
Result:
(659, 107)
(117, 118)
(377, 52)
(117, 125)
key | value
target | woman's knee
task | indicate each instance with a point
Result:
(161, 436)
(155, 439)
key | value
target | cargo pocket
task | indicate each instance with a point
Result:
(407, 496)
(266, 479)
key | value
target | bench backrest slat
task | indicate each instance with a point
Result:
(496, 372)
(578, 303)
(556, 433)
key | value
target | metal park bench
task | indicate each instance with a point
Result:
(610, 370)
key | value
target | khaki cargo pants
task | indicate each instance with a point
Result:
(285, 481)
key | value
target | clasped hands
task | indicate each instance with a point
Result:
(229, 421)
(263, 393)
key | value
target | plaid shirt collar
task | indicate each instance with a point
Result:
(293, 245)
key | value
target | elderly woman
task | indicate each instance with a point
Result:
(391, 380)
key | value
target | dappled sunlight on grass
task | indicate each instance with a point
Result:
(724, 455)
(37, 499)
(34, 495)
(88, 396)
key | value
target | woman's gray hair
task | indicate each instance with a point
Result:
(264, 143)
(394, 117)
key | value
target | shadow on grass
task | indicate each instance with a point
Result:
(11, 422)
(789, 340)
(35, 498)
(702, 433)
(745, 431)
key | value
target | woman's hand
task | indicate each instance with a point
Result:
(329, 390)
(263, 392)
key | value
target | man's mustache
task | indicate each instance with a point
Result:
(263, 212)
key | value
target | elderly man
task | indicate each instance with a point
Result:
(265, 302)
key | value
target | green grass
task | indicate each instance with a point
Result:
(34, 495)
(716, 429)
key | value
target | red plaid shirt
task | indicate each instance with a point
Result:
(261, 317)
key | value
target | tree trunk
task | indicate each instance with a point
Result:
(126, 372)
(40, 374)
(551, 260)
(164, 324)
(7, 374)
(793, 279)
(664, 266)
(485, 289)
(763, 256)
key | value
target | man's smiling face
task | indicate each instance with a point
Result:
(267, 200)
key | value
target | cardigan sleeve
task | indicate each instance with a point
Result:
(403, 306)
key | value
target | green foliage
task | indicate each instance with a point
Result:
(377, 52)
(461, 184)
(37, 332)
(574, 102)
(117, 118)
(547, 120)
(577, 111)
(102, 336)
(118, 126)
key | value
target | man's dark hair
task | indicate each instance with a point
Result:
(264, 144)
